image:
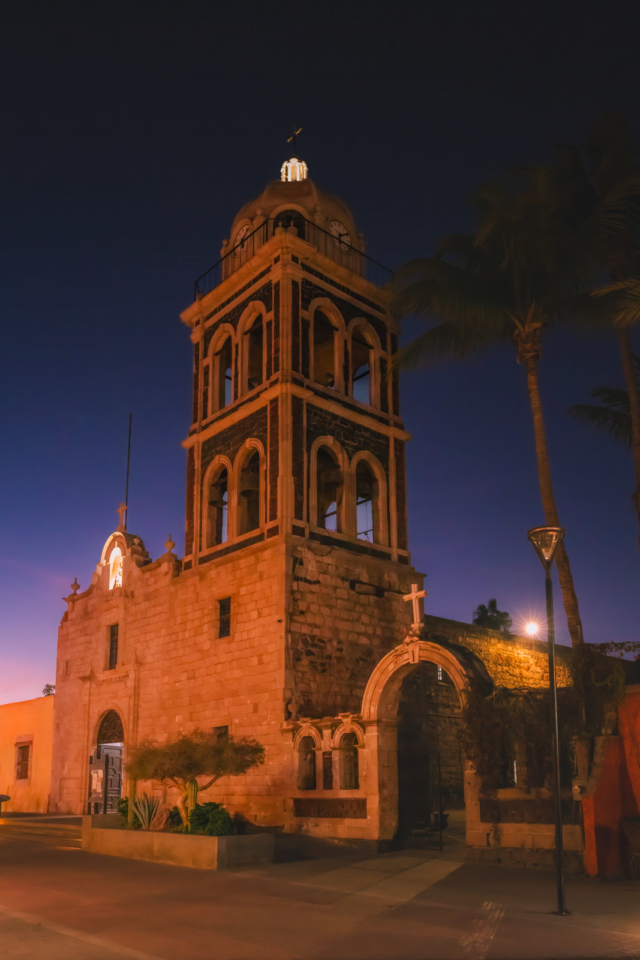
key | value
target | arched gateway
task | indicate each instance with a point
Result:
(403, 713)
(105, 765)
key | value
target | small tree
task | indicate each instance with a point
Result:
(48, 689)
(489, 616)
(181, 760)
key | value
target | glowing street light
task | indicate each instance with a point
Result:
(545, 540)
(532, 629)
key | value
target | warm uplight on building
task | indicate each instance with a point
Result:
(532, 629)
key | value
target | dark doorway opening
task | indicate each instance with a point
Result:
(430, 760)
(105, 766)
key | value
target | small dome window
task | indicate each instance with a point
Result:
(115, 568)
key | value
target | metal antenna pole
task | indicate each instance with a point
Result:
(126, 496)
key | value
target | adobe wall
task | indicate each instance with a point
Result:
(28, 721)
(174, 673)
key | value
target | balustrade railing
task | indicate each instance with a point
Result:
(332, 247)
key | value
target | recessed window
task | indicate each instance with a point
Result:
(249, 495)
(217, 509)
(306, 764)
(365, 502)
(255, 354)
(224, 617)
(349, 775)
(323, 350)
(224, 365)
(361, 367)
(23, 756)
(113, 646)
(329, 490)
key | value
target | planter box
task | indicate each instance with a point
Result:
(100, 834)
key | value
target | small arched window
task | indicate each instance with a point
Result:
(324, 365)
(249, 494)
(329, 490)
(224, 374)
(115, 568)
(306, 764)
(367, 521)
(349, 774)
(361, 363)
(217, 509)
(111, 728)
(255, 352)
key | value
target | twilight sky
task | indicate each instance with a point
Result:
(127, 146)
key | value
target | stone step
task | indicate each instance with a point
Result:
(63, 834)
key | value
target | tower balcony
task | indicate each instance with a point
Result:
(324, 242)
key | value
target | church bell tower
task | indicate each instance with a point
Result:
(296, 434)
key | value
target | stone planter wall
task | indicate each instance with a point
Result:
(100, 834)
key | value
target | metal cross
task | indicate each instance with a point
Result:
(294, 138)
(122, 510)
(415, 596)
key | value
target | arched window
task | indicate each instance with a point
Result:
(367, 521)
(224, 374)
(349, 775)
(324, 367)
(217, 509)
(306, 764)
(111, 729)
(115, 568)
(249, 494)
(290, 218)
(255, 337)
(329, 487)
(361, 362)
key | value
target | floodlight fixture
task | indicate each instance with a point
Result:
(545, 540)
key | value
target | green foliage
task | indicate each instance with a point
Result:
(599, 682)
(613, 414)
(192, 755)
(123, 810)
(146, 808)
(211, 819)
(174, 819)
(48, 689)
(489, 616)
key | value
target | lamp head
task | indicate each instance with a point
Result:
(545, 540)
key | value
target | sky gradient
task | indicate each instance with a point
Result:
(127, 147)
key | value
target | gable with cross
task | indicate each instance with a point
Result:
(415, 596)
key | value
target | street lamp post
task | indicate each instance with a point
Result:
(545, 540)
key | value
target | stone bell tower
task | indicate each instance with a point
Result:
(297, 435)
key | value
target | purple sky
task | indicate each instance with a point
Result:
(127, 148)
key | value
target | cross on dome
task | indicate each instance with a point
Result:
(415, 597)
(122, 511)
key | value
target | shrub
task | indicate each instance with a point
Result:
(123, 810)
(211, 819)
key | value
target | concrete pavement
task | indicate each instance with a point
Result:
(60, 902)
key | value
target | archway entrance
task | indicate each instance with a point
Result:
(431, 811)
(105, 766)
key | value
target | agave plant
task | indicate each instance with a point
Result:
(147, 808)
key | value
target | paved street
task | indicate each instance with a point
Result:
(60, 903)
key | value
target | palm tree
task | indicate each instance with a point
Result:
(606, 195)
(613, 414)
(488, 615)
(504, 283)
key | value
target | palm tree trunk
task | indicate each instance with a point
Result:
(634, 404)
(549, 502)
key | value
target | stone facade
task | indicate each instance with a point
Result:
(296, 518)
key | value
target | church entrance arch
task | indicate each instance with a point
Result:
(105, 765)
(412, 707)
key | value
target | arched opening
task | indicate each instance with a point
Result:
(329, 488)
(224, 374)
(255, 353)
(105, 766)
(361, 364)
(324, 335)
(306, 764)
(217, 509)
(430, 759)
(349, 772)
(115, 568)
(367, 508)
(290, 218)
(249, 494)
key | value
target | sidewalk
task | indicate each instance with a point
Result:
(407, 905)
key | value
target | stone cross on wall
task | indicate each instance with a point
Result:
(122, 510)
(415, 596)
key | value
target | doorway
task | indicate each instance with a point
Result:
(105, 766)
(431, 810)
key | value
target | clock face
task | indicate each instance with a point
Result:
(340, 232)
(240, 236)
